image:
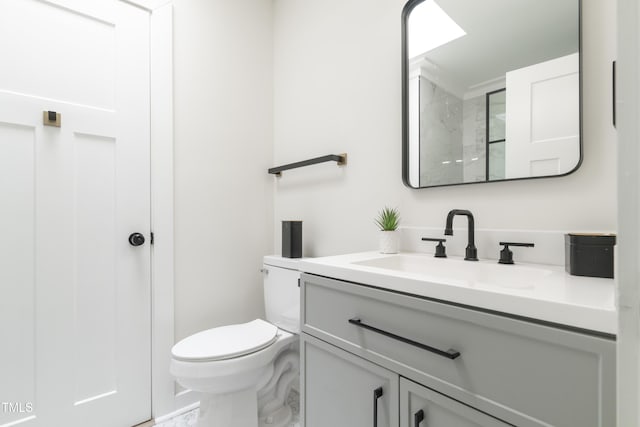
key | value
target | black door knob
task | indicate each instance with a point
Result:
(136, 239)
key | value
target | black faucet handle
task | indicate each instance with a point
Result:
(527, 245)
(506, 255)
(440, 249)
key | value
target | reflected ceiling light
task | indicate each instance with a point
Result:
(430, 27)
(446, 162)
(474, 159)
(459, 161)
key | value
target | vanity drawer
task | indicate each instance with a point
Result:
(525, 373)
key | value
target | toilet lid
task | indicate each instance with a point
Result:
(226, 342)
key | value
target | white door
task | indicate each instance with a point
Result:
(74, 294)
(543, 118)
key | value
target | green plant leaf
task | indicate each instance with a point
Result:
(388, 219)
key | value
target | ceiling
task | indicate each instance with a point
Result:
(504, 35)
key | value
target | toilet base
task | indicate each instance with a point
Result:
(250, 408)
(282, 417)
(273, 408)
(237, 409)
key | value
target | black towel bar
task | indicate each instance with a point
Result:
(341, 159)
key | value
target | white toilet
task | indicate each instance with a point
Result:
(245, 372)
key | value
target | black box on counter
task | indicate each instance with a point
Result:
(589, 254)
(292, 239)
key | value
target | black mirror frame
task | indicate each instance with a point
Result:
(406, 10)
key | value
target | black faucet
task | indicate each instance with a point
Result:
(471, 253)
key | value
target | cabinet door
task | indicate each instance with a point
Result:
(340, 389)
(422, 407)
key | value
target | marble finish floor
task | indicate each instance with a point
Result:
(189, 419)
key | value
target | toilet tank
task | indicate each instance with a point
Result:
(282, 292)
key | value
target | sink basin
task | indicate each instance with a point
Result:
(535, 291)
(460, 272)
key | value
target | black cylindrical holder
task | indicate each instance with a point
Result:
(589, 255)
(292, 239)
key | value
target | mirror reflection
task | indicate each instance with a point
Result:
(491, 90)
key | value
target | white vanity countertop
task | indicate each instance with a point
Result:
(552, 295)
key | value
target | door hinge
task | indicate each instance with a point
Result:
(152, 237)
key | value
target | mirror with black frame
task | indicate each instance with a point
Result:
(491, 90)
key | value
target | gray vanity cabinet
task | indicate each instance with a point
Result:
(422, 407)
(521, 372)
(344, 390)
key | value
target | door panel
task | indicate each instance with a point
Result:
(338, 388)
(543, 118)
(17, 278)
(422, 407)
(95, 278)
(75, 306)
(52, 41)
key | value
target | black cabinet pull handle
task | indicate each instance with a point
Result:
(613, 84)
(449, 354)
(377, 393)
(418, 417)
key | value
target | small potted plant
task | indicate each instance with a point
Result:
(388, 220)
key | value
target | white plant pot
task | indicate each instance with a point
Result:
(389, 242)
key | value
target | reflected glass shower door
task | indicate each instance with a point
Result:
(496, 130)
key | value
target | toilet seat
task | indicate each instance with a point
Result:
(231, 374)
(226, 342)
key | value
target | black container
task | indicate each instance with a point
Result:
(589, 254)
(292, 239)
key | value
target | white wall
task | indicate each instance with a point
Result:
(223, 146)
(337, 89)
